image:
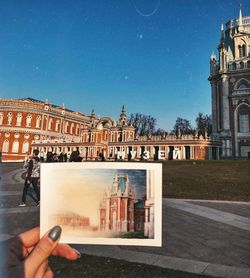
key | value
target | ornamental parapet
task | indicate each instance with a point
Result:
(235, 22)
(159, 138)
(55, 141)
(42, 107)
(19, 103)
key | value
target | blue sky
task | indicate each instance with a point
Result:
(150, 55)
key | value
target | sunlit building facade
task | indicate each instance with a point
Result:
(24, 121)
(27, 124)
(230, 89)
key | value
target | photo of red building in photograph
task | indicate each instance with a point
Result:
(121, 210)
(117, 207)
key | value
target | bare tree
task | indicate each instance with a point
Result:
(183, 126)
(204, 124)
(143, 124)
(161, 132)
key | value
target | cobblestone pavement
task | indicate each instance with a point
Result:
(204, 237)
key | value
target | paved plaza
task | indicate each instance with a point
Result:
(204, 237)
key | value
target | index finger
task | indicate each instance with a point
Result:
(30, 238)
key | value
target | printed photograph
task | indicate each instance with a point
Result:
(103, 202)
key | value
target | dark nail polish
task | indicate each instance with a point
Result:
(55, 233)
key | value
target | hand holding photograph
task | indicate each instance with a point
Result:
(103, 202)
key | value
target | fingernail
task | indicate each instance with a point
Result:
(77, 252)
(55, 233)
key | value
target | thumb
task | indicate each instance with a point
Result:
(42, 251)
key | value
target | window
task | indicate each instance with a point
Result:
(1, 118)
(243, 86)
(9, 120)
(50, 124)
(38, 121)
(71, 128)
(15, 146)
(19, 119)
(57, 125)
(28, 120)
(244, 123)
(6, 146)
(25, 147)
(77, 129)
(242, 50)
(66, 127)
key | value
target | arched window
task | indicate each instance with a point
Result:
(9, 118)
(71, 128)
(244, 123)
(66, 127)
(243, 119)
(234, 66)
(19, 119)
(241, 65)
(248, 64)
(28, 120)
(242, 50)
(38, 121)
(6, 146)
(15, 146)
(243, 86)
(50, 124)
(57, 125)
(77, 129)
(25, 147)
(1, 118)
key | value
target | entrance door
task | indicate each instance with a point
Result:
(214, 153)
(171, 151)
(187, 152)
(156, 148)
(129, 153)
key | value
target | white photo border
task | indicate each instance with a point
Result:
(157, 184)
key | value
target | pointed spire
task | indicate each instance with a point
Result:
(213, 56)
(92, 118)
(240, 15)
(222, 32)
(241, 27)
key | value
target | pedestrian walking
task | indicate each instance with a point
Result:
(32, 177)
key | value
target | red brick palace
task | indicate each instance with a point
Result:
(27, 124)
(118, 206)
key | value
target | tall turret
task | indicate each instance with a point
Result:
(123, 120)
(230, 88)
(222, 51)
(92, 118)
(213, 67)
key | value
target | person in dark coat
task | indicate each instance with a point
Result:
(32, 178)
